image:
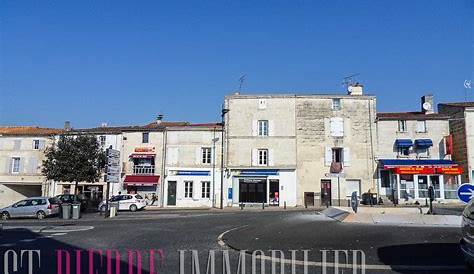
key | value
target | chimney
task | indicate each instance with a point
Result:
(355, 89)
(67, 126)
(427, 104)
(159, 119)
(103, 124)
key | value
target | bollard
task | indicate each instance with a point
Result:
(241, 206)
(263, 205)
(284, 205)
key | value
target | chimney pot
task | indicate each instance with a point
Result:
(67, 125)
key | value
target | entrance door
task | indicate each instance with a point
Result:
(423, 186)
(171, 193)
(253, 190)
(325, 192)
(436, 186)
(274, 192)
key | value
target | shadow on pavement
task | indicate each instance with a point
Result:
(73, 259)
(424, 254)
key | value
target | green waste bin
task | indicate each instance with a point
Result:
(66, 211)
(76, 211)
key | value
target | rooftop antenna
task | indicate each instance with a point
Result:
(349, 80)
(467, 85)
(241, 80)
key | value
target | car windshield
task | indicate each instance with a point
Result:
(138, 196)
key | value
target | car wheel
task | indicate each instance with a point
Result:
(133, 208)
(40, 215)
(5, 216)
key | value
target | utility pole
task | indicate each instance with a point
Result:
(214, 140)
(223, 113)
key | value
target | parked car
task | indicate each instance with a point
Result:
(132, 202)
(39, 207)
(467, 240)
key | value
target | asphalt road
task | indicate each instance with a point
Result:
(405, 249)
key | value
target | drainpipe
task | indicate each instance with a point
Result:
(163, 166)
(372, 149)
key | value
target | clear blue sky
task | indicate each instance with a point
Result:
(122, 62)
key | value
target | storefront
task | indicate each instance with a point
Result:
(191, 188)
(268, 186)
(145, 185)
(405, 180)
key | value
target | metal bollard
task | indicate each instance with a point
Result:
(284, 205)
(263, 205)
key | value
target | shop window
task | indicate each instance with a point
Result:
(407, 187)
(205, 189)
(402, 125)
(188, 189)
(145, 137)
(385, 178)
(263, 128)
(450, 187)
(421, 126)
(206, 153)
(336, 104)
(263, 157)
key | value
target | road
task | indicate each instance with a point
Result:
(386, 249)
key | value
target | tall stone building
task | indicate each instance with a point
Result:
(299, 149)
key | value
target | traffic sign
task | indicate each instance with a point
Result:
(112, 178)
(113, 169)
(466, 192)
(113, 153)
(113, 162)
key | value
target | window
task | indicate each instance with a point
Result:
(403, 151)
(188, 189)
(145, 137)
(206, 155)
(206, 189)
(337, 127)
(421, 126)
(337, 155)
(385, 178)
(36, 144)
(423, 152)
(15, 165)
(263, 128)
(402, 125)
(263, 157)
(102, 139)
(336, 104)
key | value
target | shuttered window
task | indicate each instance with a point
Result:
(337, 127)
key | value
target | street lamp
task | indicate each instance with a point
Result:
(223, 113)
(214, 140)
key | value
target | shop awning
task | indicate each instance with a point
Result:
(141, 180)
(393, 163)
(142, 155)
(403, 143)
(423, 143)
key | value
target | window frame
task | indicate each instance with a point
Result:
(145, 140)
(206, 155)
(12, 168)
(262, 157)
(104, 141)
(424, 126)
(188, 189)
(263, 128)
(341, 154)
(36, 144)
(335, 106)
(401, 150)
(402, 123)
(205, 189)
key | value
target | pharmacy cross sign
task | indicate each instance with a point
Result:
(466, 192)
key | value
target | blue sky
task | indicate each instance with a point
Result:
(123, 62)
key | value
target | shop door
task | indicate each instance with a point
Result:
(274, 192)
(422, 186)
(253, 190)
(436, 186)
(172, 193)
(325, 192)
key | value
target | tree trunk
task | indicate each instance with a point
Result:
(75, 191)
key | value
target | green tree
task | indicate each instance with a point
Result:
(74, 159)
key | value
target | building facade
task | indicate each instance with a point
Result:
(462, 132)
(413, 154)
(21, 155)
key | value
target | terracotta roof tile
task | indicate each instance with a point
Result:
(29, 131)
(410, 116)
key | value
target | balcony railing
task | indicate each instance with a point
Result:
(143, 170)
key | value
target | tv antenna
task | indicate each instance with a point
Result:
(241, 81)
(349, 80)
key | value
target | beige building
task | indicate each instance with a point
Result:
(462, 131)
(299, 149)
(413, 155)
(21, 155)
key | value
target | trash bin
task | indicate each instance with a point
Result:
(76, 211)
(113, 209)
(66, 211)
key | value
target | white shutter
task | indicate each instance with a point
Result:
(198, 156)
(33, 165)
(346, 158)
(41, 144)
(16, 144)
(254, 128)
(22, 165)
(213, 155)
(254, 157)
(337, 127)
(328, 156)
(271, 128)
(8, 165)
(271, 159)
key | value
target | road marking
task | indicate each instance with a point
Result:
(221, 242)
(219, 238)
(27, 240)
(7, 245)
(58, 234)
(51, 229)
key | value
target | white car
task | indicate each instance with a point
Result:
(132, 202)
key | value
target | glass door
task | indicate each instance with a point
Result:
(436, 186)
(422, 186)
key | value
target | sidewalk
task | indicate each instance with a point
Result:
(232, 209)
(392, 216)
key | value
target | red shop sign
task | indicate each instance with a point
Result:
(449, 170)
(414, 170)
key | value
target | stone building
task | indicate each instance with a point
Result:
(462, 132)
(412, 155)
(21, 156)
(299, 149)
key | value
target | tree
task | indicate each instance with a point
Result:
(74, 159)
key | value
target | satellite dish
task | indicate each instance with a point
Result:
(426, 106)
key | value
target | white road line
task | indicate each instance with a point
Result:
(27, 240)
(7, 245)
(350, 266)
(58, 234)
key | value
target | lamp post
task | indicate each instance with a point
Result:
(214, 140)
(223, 113)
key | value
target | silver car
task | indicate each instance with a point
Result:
(39, 207)
(467, 241)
